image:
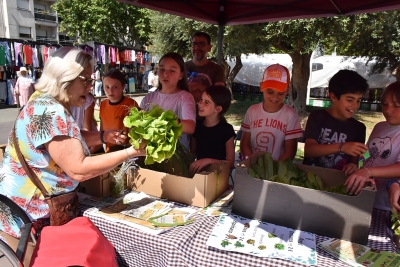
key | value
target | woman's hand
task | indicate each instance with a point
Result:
(357, 180)
(141, 151)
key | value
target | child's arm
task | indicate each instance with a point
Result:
(357, 180)
(290, 149)
(193, 145)
(245, 147)
(230, 152)
(394, 196)
(313, 150)
(188, 117)
(230, 156)
(188, 126)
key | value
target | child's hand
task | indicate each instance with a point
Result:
(198, 165)
(349, 168)
(357, 180)
(354, 148)
(117, 137)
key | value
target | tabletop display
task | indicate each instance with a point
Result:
(190, 245)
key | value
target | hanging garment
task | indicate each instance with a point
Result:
(27, 54)
(35, 60)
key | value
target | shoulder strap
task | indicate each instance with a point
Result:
(31, 174)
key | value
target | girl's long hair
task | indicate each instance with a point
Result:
(183, 83)
(394, 89)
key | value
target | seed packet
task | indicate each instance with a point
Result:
(362, 159)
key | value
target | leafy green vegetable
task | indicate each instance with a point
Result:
(395, 223)
(286, 172)
(159, 128)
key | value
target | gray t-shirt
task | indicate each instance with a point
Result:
(181, 103)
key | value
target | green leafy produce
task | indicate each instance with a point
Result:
(286, 172)
(395, 223)
(178, 164)
(159, 128)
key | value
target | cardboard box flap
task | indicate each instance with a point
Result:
(198, 191)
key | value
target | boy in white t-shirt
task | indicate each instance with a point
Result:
(272, 126)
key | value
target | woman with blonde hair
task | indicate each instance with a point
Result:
(52, 144)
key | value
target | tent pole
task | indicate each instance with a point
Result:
(220, 39)
(221, 25)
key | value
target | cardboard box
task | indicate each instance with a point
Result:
(319, 212)
(198, 191)
(98, 186)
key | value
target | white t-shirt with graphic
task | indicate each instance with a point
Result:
(270, 130)
(384, 149)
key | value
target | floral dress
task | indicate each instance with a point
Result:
(42, 119)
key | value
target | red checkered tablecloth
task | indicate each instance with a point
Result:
(186, 245)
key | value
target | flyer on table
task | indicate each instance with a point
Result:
(239, 234)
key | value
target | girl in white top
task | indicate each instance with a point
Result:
(173, 94)
(383, 166)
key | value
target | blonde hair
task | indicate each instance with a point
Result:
(64, 66)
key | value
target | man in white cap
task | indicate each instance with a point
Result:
(23, 88)
(272, 126)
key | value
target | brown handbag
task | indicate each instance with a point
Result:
(64, 207)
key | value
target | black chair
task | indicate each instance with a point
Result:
(16, 258)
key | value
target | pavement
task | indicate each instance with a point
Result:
(8, 114)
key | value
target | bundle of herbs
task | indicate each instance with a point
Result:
(161, 132)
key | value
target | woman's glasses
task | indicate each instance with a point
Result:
(86, 81)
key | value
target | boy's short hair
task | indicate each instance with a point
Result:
(347, 82)
(276, 77)
(116, 74)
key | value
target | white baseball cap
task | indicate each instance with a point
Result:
(276, 77)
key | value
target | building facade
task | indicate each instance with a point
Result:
(32, 20)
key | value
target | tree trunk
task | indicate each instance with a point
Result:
(299, 82)
(230, 75)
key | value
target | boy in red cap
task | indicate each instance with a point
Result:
(272, 126)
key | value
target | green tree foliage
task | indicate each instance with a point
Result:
(299, 38)
(375, 36)
(105, 21)
(175, 36)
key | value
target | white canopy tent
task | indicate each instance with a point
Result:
(254, 66)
